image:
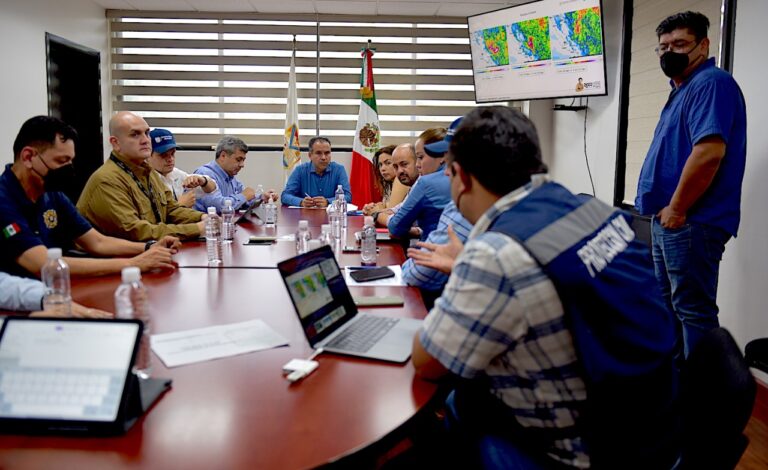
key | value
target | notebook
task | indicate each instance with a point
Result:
(66, 374)
(329, 317)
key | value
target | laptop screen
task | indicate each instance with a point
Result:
(318, 291)
(65, 369)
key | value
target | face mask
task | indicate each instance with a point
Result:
(673, 64)
(59, 179)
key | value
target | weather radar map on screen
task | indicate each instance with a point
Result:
(542, 49)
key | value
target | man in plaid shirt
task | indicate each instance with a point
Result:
(500, 324)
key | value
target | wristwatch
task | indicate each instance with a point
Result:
(149, 244)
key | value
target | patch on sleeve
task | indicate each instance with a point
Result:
(11, 230)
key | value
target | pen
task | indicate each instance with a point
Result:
(307, 194)
(358, 268)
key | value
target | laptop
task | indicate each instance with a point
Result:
(66, 375)
(329, 317)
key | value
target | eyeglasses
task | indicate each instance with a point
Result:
(675, 46)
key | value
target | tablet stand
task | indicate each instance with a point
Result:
(142, 394)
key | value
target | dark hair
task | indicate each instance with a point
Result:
(317, 138)
(40, 132)
(499, 146)
(383, 186)
(694, 21)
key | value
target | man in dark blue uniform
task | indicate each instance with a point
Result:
(36, 215)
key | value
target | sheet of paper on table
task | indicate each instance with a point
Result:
(215, 342)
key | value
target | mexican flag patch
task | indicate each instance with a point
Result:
(11, 230)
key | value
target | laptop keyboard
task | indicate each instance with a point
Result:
(362, 334)
(60, 393)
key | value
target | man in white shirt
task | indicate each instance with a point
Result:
(163, 160)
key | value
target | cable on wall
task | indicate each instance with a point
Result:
(586, 158)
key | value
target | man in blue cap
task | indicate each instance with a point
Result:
(181, 183)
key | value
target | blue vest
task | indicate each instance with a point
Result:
(623, 333)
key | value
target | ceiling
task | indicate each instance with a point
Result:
(353, 7)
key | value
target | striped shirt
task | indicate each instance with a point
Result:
(500, 318)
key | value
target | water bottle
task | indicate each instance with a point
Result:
(270, 213)
(259, 194)
(325, 235)
(131, 302)
(334, 219)
(302, 237)
(228, 221)
(213, 237)
(342, 205)
(368, 242)
(55, 276)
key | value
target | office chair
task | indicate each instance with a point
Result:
(717, 396)
(756, 354)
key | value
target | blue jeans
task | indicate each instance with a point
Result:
(477, 442)
(687, 261)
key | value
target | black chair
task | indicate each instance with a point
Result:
(756, 354)
(717, 396)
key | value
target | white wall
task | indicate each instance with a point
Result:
(23, 88)
(562, 132)
(742, 294)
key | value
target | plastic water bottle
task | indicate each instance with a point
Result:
(213, 237)
(368, 242)
(302, 237)
(55, 276)
(259, 194)
(334, 219)
(342, 205)
(325, 235)
(131, 302)
(228, 221)
(270, 213)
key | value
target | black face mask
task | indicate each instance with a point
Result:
(59, 179)
(673, 64)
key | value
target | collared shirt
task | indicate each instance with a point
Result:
(175, 181)
(51, 221)
(305, 180)
(424, 205)
(114, 203)
(226, 187)
(428, 278)
(500, 318)
(20, 294)
(708, 103)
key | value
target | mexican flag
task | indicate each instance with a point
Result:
(291, 145)
(367, 138)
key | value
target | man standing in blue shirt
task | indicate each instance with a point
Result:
(230, 159)
(691, 179)
(314, 183)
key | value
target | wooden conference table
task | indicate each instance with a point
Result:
(240, 412)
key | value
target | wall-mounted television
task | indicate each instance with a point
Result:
(541, 49)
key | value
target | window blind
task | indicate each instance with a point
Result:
(203, 75)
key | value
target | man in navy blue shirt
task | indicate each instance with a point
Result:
(691, 179)
(314, 183)
(36, 215)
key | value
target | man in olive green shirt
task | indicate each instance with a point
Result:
(125, 198)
